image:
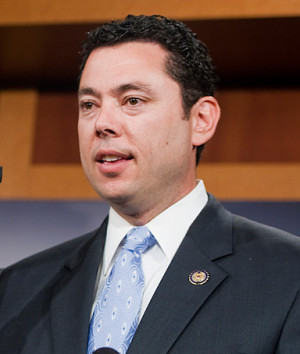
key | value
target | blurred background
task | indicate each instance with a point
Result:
(252, 164)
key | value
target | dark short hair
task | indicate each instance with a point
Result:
(188, 62)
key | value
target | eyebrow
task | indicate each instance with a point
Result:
(88, 91)
(136, 85)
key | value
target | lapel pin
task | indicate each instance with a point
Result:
(198, 277)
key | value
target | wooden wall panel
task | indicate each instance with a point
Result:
(56, 128)
(255, 153)
(72, 11)
(21, 177)
(246, 52)
(17, 115)
(252, 181)
(257, 125)
(24, 178)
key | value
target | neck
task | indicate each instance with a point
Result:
(141, 213)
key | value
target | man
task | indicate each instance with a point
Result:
(210, 282)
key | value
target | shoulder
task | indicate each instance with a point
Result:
(249, 238)
(269, 255)
(246, 231)
(251, 232)
(34, 277)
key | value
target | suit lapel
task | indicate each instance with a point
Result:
(176, 300)
(73, 296)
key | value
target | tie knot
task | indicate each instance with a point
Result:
(139, 239)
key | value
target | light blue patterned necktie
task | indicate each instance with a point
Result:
(116, 314)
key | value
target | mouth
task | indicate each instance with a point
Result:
(112, 158)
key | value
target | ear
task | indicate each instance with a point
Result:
(205, 115)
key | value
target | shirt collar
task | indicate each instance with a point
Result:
(169, 227)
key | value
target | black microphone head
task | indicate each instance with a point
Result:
(105, 351)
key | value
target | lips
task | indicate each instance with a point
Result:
(112, 157)
(113, 163)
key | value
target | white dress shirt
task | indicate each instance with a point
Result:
(168, 228)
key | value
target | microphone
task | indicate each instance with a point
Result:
(105, 351)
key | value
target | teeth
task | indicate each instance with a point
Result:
(110, 158)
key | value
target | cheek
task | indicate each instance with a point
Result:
(84, 136)
(82, 143)
(80, 129)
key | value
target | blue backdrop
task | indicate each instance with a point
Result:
(27, 227)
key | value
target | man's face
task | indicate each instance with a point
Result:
(135, 145)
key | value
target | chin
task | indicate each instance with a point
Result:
(115, 191)
(113, 196)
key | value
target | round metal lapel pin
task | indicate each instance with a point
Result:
(198, 277)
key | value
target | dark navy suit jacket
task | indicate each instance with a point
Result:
(250, 303)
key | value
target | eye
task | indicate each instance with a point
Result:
(86, 105)
(133, 101)
(134, 105)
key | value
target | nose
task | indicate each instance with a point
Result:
(108, 123)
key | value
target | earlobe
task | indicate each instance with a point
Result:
(205, 115)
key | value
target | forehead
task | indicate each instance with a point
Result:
(132, 57)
